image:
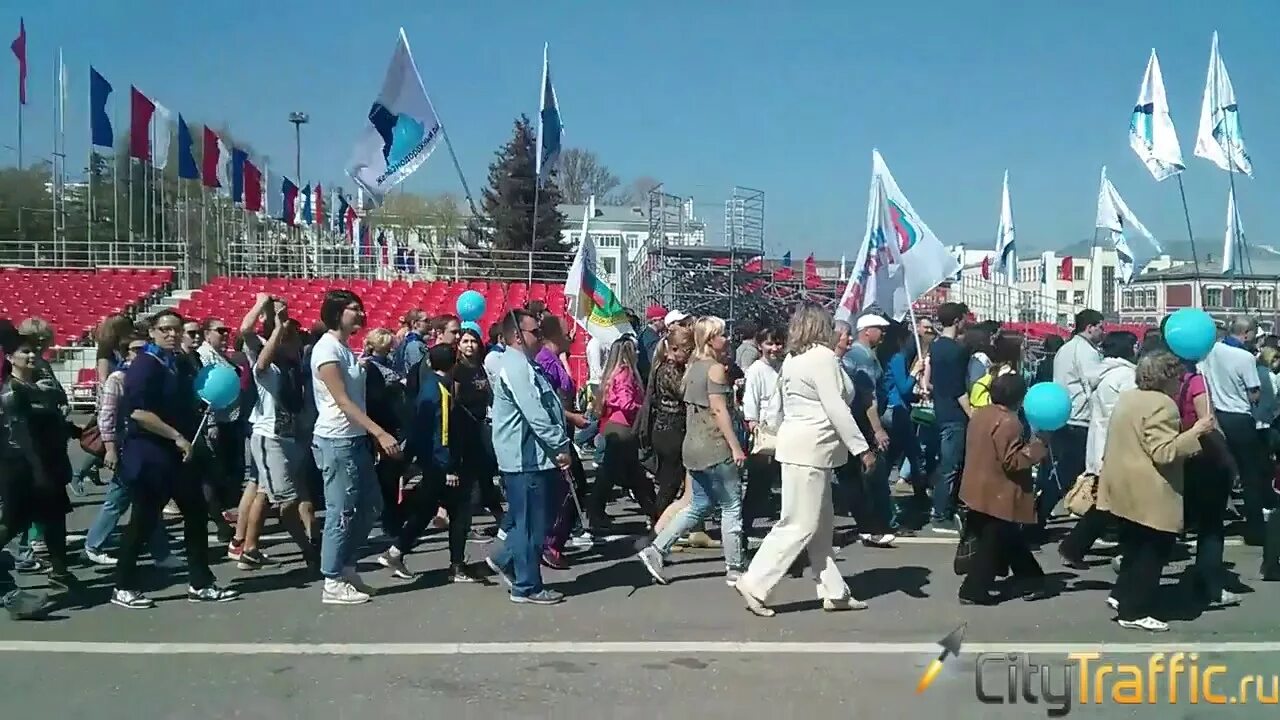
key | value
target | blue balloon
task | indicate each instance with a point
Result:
(470, 306)
(219, 386)
(1190, 333)
(1047, 407)
(472, 325)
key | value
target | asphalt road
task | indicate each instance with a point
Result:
(618, 647)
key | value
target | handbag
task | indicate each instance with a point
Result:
(91, 439)
(764, 440)
(966, 551)
(1082, 496)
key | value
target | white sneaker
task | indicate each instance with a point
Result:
(652, 560)
(1149, 624)
(352, 577)
(502, 534)
(100, 558)
(341, 592)
(1113, 603)
(583, 541)
(169, 562)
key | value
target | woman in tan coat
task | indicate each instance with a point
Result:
(998, 489)
(1142, 481)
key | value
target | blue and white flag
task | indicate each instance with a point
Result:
(1006, 251)
(403, 128)
(1151, 132)
(547, 154)
(1219, 139)
(1114, 215)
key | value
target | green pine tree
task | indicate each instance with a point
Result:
(508, 202)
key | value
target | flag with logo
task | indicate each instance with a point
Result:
(594, 306)
(900, 258)
(547, 151)
(1234, 231)
(1219, 139)
(1115, 216)
(403, 128)
(1006, 260)
(1151, 132)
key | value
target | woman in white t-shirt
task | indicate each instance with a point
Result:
(277, 456)
(760, 407)
(344, 441)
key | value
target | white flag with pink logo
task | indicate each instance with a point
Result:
(892, 275)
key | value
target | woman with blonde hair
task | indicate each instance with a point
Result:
(388, 401)
(617, 405)
(1141, 484)
(664, 428)
(710, 451)
(816, 434)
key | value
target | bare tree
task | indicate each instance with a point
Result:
(582, 175)
(637, 193)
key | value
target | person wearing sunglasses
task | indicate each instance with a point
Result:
(111, 428)
(227, 437)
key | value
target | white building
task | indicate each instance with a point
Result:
(621, 236)
(1051, 286)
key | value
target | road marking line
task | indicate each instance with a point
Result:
(613, 648)
(919, 540)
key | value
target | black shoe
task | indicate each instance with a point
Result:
(1073, 563)
(986, 600)
(63, 580)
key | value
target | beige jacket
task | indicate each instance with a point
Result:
(1142, 476)
(817, 427)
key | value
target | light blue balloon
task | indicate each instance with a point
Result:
(470, 306)
(1047, 407)
(219, 386)
(472, 325)
(1190, 333)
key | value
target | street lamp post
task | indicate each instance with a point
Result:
(298, 119)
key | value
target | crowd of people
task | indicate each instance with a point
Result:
(907, 427)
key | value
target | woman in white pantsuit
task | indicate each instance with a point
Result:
(816, 434)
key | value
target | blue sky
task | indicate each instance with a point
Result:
(789, 98)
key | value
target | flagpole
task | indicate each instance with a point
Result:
(444, 133)
(92, 168)
(1191, 236)
(53, 167)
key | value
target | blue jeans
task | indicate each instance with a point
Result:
(529, 500)
(717, 485)
(113, 507)
(352, 499)
(950, 464)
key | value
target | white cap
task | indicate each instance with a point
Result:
(674, 317)
(871, 321)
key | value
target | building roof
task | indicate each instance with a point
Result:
(1258, 266)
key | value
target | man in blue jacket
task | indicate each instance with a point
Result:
(532, 450)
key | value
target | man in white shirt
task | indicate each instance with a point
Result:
(1077, 367)
(1231, 372)
(597, 354)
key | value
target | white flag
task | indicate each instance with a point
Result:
(403, 128)
(224, 163)
(591, 301)
(1234, 230)
(1006, 251)
(900, 258)
(160, 136)
(1115, 216)
(1219, 139)
(1151, 132)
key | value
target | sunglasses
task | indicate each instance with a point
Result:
(192, 333)
(220, 329)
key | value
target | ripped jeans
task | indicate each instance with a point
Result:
(352, 499)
